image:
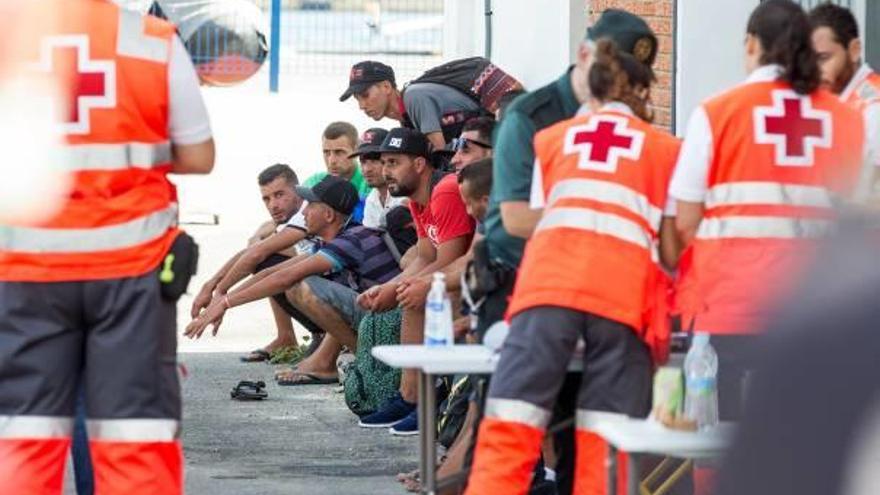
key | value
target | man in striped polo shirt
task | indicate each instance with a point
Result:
(348, 259)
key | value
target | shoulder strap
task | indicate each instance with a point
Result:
(389, 243)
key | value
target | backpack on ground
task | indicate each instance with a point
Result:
(476, 77)
(369, 382)
(454, 410)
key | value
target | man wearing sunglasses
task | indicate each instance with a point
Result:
(475, 142)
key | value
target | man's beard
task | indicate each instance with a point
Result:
(399, 190)
(845, 76)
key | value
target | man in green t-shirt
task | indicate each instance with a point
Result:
(338, 142)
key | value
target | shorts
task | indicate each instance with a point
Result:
(341, 298)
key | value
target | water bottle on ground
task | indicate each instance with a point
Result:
(701, 383)
(438, 314)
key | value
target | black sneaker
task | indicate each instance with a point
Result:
(392, 411)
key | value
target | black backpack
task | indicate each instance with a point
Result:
(477, 77)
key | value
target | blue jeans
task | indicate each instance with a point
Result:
(82, 459)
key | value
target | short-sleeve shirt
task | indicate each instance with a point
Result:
(432, 107)
(445, 216)
(360, 258)
(359, 183)
(374, 210)
(514, 158)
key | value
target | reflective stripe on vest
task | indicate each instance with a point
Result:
(35, 427)
(598, 222)
(133, 430)
(518, 411)
(131, 41)
(752, 227)
(607, 192)
(767, 193)
(119, 236)
(109, 157)
(586, 419)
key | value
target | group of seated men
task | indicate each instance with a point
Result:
(363, 237)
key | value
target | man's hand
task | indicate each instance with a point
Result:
(413, 293)
(380, 298)
(202, 300)
(212, 316)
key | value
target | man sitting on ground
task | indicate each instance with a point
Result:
(378, 202)
(324, 286)
(475, 142)
(338, 140)
(444, 230)
(338, 143)
(277, 186)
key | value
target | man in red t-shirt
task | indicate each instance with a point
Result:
(445, 231)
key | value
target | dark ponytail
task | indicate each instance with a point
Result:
(618, 76)
(784, 31)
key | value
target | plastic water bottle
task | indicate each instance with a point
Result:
(438, 314)
(701, 384)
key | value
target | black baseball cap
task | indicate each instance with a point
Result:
(406, 141)
(631, 33)
(334, 191)
(371, 140)
(365, 74)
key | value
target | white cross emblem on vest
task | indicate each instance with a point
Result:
(89, 83)
(793, 127)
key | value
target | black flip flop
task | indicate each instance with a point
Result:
(307, 379)
(247, 390)
(256, 356)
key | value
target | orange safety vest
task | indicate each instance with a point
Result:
(120, 217)
(605, 177)
(778, 160)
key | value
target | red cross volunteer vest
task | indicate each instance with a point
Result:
(604, 178)
(121, 212)
(778, 161)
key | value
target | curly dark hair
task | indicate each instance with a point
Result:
(617, 76)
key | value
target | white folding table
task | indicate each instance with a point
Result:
(645, 436)
(630, 435)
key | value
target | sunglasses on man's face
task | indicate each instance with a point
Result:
(462, 143)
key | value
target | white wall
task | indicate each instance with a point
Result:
(709, 51)
(463, 28)
(534, 40)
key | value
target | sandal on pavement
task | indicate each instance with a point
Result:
(256, 356)
(306, 379)
(248, 390)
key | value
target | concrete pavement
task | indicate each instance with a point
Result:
(301, 440)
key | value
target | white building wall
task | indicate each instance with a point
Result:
(534, 40)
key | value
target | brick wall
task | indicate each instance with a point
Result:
(658, 13)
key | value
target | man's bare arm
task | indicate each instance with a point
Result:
(670, 245)
(280, 280)
(687, 219)
(257, 277)
(258, 253)
(519, 218)
(436, 140)
(447, 252)
(192, 158)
